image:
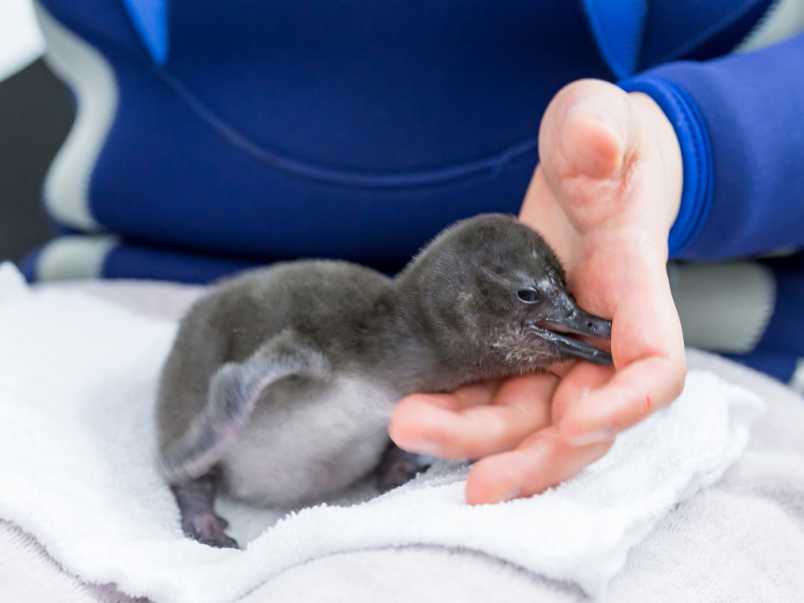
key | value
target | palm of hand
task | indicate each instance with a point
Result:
(604, 197)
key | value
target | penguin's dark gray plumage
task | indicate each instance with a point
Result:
(281, 381)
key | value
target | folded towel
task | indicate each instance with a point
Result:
(78, 472)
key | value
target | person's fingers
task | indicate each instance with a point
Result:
(545, 458)
(606, 192)
(415, 417)
(541, 461)
(474, 394)
(648, 351)
(422, 423)
(631, 396)
(578, 383)
(595, 106)
(587, 148)
(542, 213)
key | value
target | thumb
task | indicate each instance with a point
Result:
(586, 146)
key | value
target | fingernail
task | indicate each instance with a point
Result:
(509, 494)
(593, 437)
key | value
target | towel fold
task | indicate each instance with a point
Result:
(78, 471)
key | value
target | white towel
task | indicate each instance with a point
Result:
(77, 471)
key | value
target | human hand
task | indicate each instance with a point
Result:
(604, 197)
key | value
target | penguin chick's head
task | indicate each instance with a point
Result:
(489, 286)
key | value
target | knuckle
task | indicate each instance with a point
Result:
(646, 406)
(642, 404)
(677, 388)
(545, 441)
(678, 383)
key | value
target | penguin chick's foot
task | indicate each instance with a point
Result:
(208, 528)
(398, 467)
(199, 521)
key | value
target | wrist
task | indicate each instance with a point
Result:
(659, 138)
(692, 137)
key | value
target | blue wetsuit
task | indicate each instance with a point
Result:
(216, 135)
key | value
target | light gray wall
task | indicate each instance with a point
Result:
(35, 115)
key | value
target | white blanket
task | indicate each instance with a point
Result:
(77, 471)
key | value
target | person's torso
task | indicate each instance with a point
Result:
(265, 130)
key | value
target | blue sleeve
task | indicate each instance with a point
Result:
(740, 123)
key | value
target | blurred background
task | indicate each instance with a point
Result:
(36, 111)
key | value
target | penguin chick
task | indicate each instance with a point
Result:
(281, 381)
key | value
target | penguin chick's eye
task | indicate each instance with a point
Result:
(528, 296)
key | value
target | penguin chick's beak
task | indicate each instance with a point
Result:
(558, 330)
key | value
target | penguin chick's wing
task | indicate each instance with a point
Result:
(234, 390)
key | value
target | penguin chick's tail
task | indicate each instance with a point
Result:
(234, 391)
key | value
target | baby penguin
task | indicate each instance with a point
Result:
(281, 381)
